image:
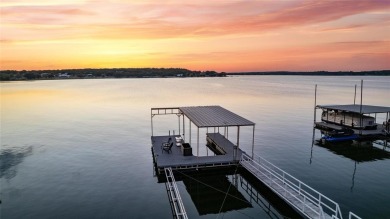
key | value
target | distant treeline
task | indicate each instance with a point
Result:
(321, 73)
(11, 75)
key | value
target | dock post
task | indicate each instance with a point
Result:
(315, 104)
(227, 132)
(151, 121)
(361, 105)
(178, 117)
(197, 143)
(238, 143)
(253, 141)
(184, 130)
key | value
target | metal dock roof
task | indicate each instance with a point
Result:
(214, 116)
(356, 108)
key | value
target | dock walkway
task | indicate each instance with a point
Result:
(305, 199)
(176, 202)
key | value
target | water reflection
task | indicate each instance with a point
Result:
(10, 158)
(356, 151)
(208, 194)
(266, 199)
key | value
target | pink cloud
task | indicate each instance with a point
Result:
(159, 20)
(216, 27)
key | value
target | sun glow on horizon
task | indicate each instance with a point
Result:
(223, 35)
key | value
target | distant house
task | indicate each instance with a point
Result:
(44, 75)
(179, 75)
(64, 75)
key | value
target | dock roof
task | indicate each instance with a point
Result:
(356, 108)
(213, 116)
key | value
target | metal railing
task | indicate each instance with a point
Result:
(351, 215)
(173, 192)
(301, 196)
(259, 199)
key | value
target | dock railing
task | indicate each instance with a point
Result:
(351, 215)
(307, 200)
(173, 193)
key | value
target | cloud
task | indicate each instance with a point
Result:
(8, 3)
(227, 34)
(120, 19)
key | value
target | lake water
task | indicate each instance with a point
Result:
(81, 148)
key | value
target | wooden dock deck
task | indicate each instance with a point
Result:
(176, 160)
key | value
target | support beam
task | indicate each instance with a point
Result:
(361, 104)
(178, 118)
(315, 105)
(190, 131)
(184, 130)
(253, 141)
(238, 136)
(197, 143)
(151, 121)
(238, 143)
(207, 150)
(227, 132)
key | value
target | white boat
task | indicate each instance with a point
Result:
(360, 118)
(349, 119)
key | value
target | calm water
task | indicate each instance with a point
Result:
(81, 148)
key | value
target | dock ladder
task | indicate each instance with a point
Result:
(178, 209)
(302, 197)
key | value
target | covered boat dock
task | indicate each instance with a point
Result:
(216, 120)
(355, 114)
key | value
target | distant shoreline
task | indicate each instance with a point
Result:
(318, 73)
(13, 75)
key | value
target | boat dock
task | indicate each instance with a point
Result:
(182, 154)
(358, 120)
(174, 159)
(176, 153)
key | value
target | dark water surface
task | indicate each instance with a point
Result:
(81, 148)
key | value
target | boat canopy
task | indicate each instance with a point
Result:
(214, 116)
(365, 109)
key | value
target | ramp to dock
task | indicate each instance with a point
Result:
(302, 197)
(177, 206)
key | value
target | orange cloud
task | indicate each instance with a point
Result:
(220, 35)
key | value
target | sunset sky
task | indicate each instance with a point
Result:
(220, 35)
